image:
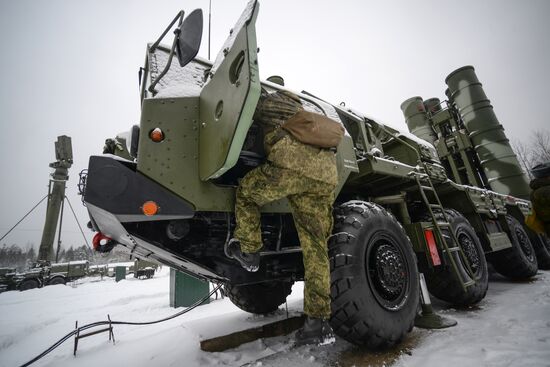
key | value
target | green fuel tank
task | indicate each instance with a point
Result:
(497, 159)
(417, 120)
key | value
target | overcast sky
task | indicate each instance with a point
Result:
(70, 67)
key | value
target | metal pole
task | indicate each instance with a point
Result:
(52, 216)
(209, 25)
(59, 233)
(56, 195)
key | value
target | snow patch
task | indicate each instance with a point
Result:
(510, 327)
(177, 82)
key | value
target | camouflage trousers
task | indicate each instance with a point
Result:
(311, 202)
(540, 197)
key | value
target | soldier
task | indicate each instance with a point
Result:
(539, 220)
(307, 177)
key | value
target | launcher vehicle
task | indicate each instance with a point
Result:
(166, 191)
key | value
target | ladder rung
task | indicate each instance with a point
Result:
(469, 283)
(444, 224)
(429, 188)
(436, 206)
(453, 249)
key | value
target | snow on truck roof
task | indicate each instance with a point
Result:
(76, 262)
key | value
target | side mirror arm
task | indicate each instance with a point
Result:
(167, 66)
(179, 17)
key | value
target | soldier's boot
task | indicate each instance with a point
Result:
(249, 261)
(315, 331)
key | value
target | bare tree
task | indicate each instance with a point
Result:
(541, 146)
(524, 154)
(533, 152)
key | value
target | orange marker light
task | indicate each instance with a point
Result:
(150, 208)
(156, 135)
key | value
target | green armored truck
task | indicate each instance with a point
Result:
(61, 273)
(167, 193)
(43, 273)
(34, 277)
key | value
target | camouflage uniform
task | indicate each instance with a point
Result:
(307, 177)
(540, 197)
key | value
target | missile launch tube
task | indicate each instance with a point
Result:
(417, 119)
(433, 105)
(497, 159)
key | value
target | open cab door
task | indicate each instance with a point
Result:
(229, 98)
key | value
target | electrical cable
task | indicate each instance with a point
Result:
(25, 216)
(77, 222)
(100, 323)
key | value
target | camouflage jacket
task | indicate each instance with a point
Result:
(283, 150)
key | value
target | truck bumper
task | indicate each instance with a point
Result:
(114, 185)
(114, 194)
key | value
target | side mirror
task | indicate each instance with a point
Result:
(189, 35)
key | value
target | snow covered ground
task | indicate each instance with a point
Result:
(510, 327)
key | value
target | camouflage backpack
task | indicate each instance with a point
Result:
(314, 129)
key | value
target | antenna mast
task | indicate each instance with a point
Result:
(209, 25)
(56, 195)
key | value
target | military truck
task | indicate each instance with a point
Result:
(169, 196)
(97, 270)
(7, 281)
(34, 277)
(111, 267)
(144, 269)
(61, 273)
(42, 273)
(475, 151)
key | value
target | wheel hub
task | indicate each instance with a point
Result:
(524, 244)
(387, 273)
(470, 252)
(389, 269)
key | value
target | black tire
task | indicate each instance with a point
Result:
(56, 280)
(374, 278)
(442, 281)
(260, 298)
(541, 244)
(519, 261)
(28, 284)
